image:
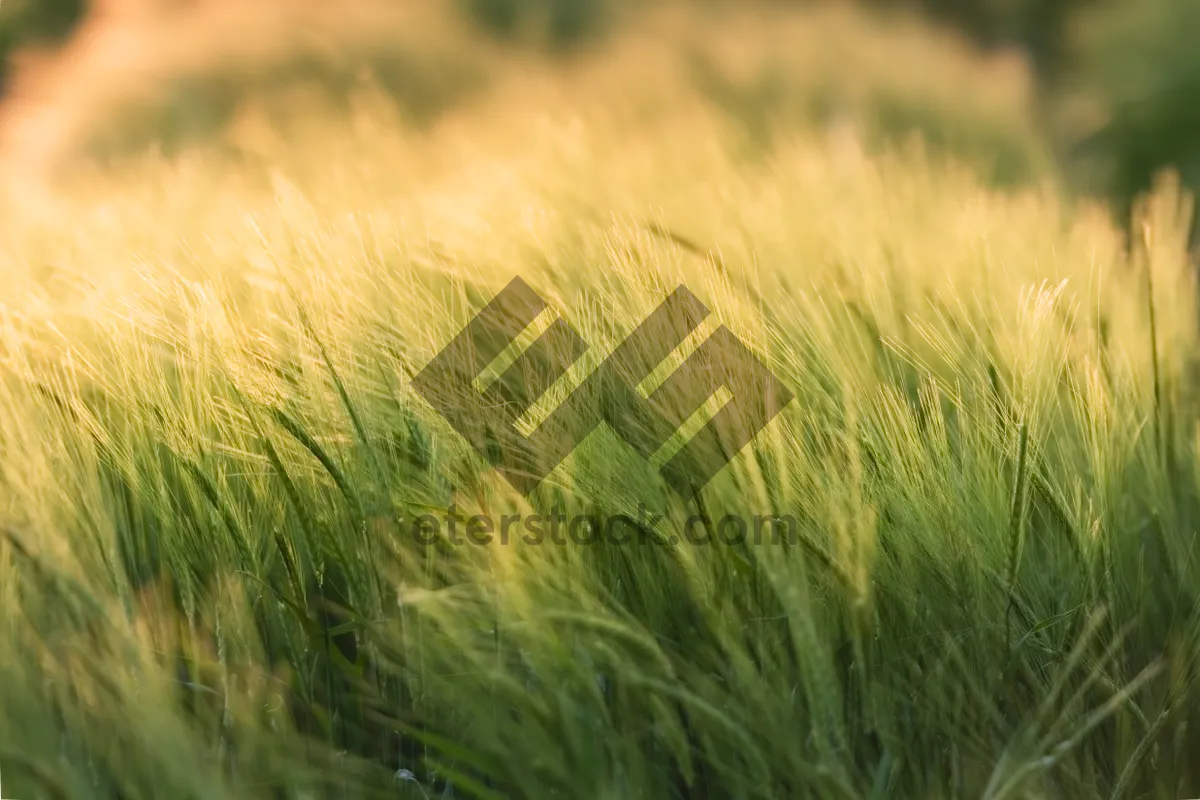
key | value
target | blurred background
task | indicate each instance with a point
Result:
(1096, 95)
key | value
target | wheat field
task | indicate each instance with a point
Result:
(212, 453)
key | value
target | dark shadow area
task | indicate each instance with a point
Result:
(34, 23)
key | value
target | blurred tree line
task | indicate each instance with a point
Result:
(1039, 27)
(1136, 63)
(31, 23)
(1131, 67)
(557, 23)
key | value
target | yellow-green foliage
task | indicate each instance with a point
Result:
(207, 430)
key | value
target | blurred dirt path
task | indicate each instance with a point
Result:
(123, 50)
